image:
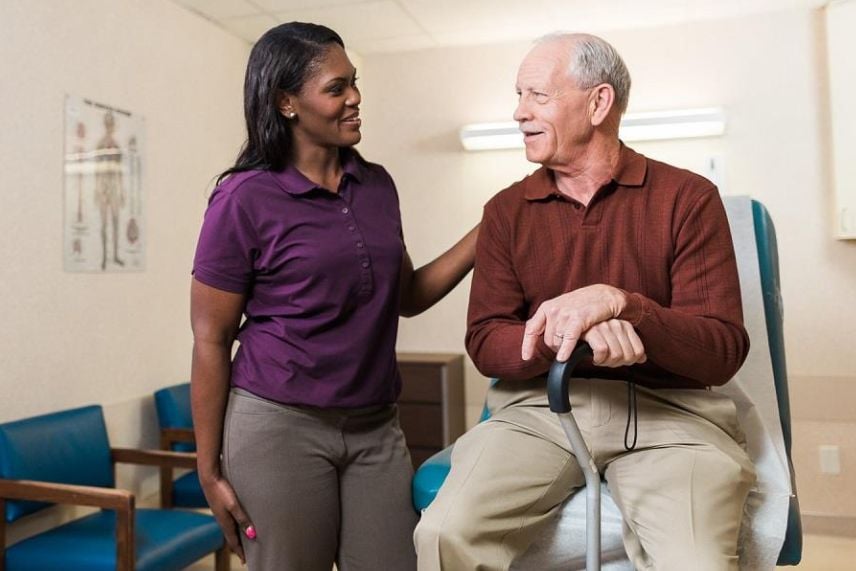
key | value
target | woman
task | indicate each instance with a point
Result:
(303, 236)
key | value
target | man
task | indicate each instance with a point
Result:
(635, 257)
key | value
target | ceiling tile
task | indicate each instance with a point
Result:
(375, 20)
(485, 16)
(249, 28)
(391, 25)
(399, 44)
(219, 9)
(291, 5)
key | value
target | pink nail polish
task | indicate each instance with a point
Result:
(250, 532)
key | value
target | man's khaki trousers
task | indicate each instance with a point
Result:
(681, 490)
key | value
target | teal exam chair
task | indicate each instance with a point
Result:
(176, 433)
(755, 245)
(65, 458)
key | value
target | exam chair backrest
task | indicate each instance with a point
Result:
(768, 261)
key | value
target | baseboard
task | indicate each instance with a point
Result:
(843, 526)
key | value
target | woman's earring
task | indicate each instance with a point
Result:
(290, 114)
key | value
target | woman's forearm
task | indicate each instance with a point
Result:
(214, 319)
(427, 285)
(209, 391)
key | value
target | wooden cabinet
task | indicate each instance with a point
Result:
(431, 406)
(841, 67)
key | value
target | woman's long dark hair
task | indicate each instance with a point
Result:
(281, 61)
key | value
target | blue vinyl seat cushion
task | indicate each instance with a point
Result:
(166, 540)
(430, 476)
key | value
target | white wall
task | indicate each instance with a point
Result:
(70, 338)
(766, 70)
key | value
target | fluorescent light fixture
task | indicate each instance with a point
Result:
(682, 124)
(491, 136)
(652, 126)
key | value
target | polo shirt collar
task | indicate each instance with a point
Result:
(630, 171)
(295, 182)
(632, 168)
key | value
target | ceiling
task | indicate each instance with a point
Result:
(374, 26)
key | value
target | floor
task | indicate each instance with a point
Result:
(820, 553)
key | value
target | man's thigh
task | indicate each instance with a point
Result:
(682, 497)
(506, 479)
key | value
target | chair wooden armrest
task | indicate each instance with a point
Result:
(55, 493)
(166, 460)
(120, 500)
(161, 458)
(170, 436)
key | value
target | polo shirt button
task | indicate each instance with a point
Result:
(365, 264)
(352, 227)
(345, 210)
(359, 244)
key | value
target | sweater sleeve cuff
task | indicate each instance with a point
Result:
(636, 309)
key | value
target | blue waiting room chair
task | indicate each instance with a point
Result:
(65, 458)
(176, 433)
(756, 248)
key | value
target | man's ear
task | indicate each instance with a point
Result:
(285, 104)
(601, 103)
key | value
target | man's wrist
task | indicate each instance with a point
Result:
(632, 309)
(619, 301)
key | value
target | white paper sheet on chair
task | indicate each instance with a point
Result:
(753, 390)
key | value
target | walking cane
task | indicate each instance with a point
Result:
(560, 403)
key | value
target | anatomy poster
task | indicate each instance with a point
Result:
(104, 217)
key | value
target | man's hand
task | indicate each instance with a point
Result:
(615, 344)
(563, 320)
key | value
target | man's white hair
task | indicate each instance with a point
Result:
(593, 61)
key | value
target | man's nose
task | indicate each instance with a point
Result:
(521, 112)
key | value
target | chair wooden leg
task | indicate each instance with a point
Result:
(165, 475)
(166, 487)
(125, 549)
(2, 534)
(223, 559)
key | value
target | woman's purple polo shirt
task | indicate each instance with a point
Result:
(321, 275)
